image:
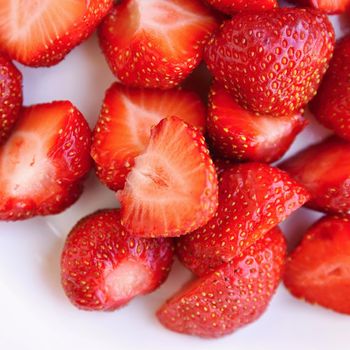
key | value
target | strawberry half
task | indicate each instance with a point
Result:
(234, 295)
(41, 33)
(331, 106)
(272, 61)
(230, 7)
(239, 134)
(103, 267)
(318, 271)
(172, 188)
(10, 96)
(324, 169)
(253, 198)
(44, 161)
(123, 129)
(328, 6)
(162, 41)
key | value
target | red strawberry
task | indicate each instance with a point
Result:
(10, 96)
(123, 129)
(103, 267)
(331, 105)
(43, 161)
(155, 43)
(324, 169)
(239, 134)
(234, 295)
(172, 188)
(318, 271)
(328, 6)
(41, 33)
(272, 61)
(232, 6)
(253, 198)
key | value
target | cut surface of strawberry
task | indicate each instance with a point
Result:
(124, 126)
(172, 188)
(318, 270)
(328, 6)
(41, 33)
(162, 41)
(234, 295)
(43, 161)
(103, 267)
(232, 6)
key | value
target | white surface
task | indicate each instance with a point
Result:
(34, 312)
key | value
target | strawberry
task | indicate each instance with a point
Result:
(161, 43)
(172, 188)
(253, 198)
(239, 134)
(41, 33)
(123, 129)
(324, 169)
(44, 161)
(103, 267)
(232, 6)
(272, 61)
(331, 106)
(328, 6)
(10, 96)
(234, 295)
(318, 270)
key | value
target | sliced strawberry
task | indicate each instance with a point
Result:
(124, 126)
(43, 161)
(103, 267)
(234, 295)
(239, 134)
(232, 6)
(324, 169)
(172, 188)
(253, 198)
(41, 33)
(10, 96)
(155, 43)
(318, 271)
(328, 6)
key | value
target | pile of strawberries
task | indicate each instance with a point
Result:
(190, 169)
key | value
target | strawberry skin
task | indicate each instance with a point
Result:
(324, 169)
(44, 161)
(318, 270)
(234, 295)
(331, 106)
(10, 96)
(172, 188)
(328, 6)
(272, 61)
(253, 198)
(230, 7)
(103, 267)
(58, 26)
(239, 134)
(162, 41)
(123, 129)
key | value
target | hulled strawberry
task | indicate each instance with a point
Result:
(232, 6)
(328, 6)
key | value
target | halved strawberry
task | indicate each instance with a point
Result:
(41, 33)
(123, 129)
(44, 161)
(232, 6)
(103, 267)
(239, 134)
(318, 271)
(10, 96)
(234, 295)
(324, 169)
(253, 198)
(172, 188)
(328, 6)
(155, 43)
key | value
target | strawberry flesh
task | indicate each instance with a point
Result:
(328, 6)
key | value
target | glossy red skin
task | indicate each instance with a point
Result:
(99, 241)
(253, 198)
(328, 6)
(231, 7)
(317, 271)
(10, 96)
(234, 295)
(289, 68)
(325, 175)
(331, 106)
(234, 135)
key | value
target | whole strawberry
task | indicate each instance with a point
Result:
(272, 61)
(232, 6)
